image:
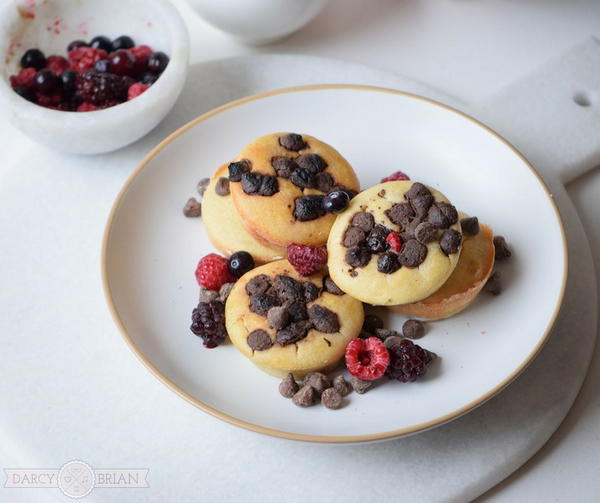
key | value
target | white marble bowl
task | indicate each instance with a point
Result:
(50, 25)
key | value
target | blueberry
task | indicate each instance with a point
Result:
(33, 58)
(24, 92)
(148, 78)
(101, 42)
(122, 42)
(46, 81)
(102, 66)
(336, 201)
(75, 44)
(69, 81)
(157, 62)
(240, 263)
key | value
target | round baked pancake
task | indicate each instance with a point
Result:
(284, 322)
(278, 182)
(365, 262)
(224, 225)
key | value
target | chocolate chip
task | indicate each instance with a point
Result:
(278, 317)
(436, 217)
(400, 214)
(306, 396)
(353, 237)
(225, 290)
(201, 186)
(311, 291)
(359, 256)
(297, 311)
(318, 381)
(258, 284)
(417, 190)
(309, 208)
(331, 287)
(412, 253)
(450, 241)
(293, 333)
(192, 208)
(288, 387)
(312, 162)
(359, 385)
(251, 182)
(237, 169)
(207, 295)
(341, 386)
(425, 232)
(387, 263)
(331, 398)
(283, 166)
(392, 341)
(288, 289)
(493, 284)
(293, 142)
(324, 182)
(449, 212)
(363, 220)
(384, 333)
(262, 302)
(502, 250)
(259, 340)
(413, 329)
(376, 239)
(470, 226)
(222, 186)
(303, 178)
(268, 186)
(371, 323)
(323, 319)
(421, 205)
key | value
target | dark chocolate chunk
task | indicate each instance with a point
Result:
(237, 169)
(502, 250)
(341, 386)
(309, 208)
(306, 396)
(353, 237)
(311, 291)
(222, 186)
(192, 208)
(202, 185)
(371, 323)
(359, 256)
(312, 162)
(421, 205)
(384, 333)
(331, 398)
(251, 182)
(262, 302)
(283, 166)
(413, 329)
(376, 239)
(450, 241)
(323, 319)
(288, 386)
(493, 284)
(387, 263)
(288, 289)
(278, 317)
(363, 220)
(400, 214)
(207, 295)
(268, 186)
(324, 181)
(470, 226)
(259, 340)
(437, 218)
(258, 284)
(297, 311)
(412, 253)
(417, 190)
(359, 385)
(449, 212)
(331, 287)
(425, 232)
(293, 333)
(225, 290)
(293, 142)
(303, 178)
(318, 381)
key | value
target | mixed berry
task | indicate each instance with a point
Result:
(95, 75)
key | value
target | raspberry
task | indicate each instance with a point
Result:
(25, 78)
(407, 360)
(213, 272)
(208, 322)
(101, 89)
(394, 240)
(141, 54)
(306, 260)
(135, 90)
(87, 107)
(57, 64)
(398, 175)
(84, 58)
(367, 359)
(48, 100)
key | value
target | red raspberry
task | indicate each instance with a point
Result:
(398, 175)
(367, 359)
(394, 240)
(84, 58)
(135, 90)
(141, 54)
(213, 271)
(306, 260)
(57, 64)
(87, 107)
(48, 100)
(25, 78)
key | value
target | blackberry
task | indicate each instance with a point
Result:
(101, 89)
(208, 322)
(408, 361)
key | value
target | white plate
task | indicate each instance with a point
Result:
(150, 252)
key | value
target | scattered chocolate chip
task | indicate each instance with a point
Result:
(318, 381)
(201, 186)
(288, 289)
(222, 186)
(502, 250)
(251, 182)
(331, 398)
(341, 386)
(303, 178)
(192, 208)
(306, 396)
(312, 162)
(470, 226)
(309, 208)
(278, 317)
(311, 291)
(421, 205)
(207, 295)
(293, 142)
(376, 239)
(450, 241)
(293, 333)
(381, 193)
(283, 166)
(262, 302)
(372, 322)
(387, 263)
(359, 385)
(392, 341)
(493, 284)
(413, 329)
(324, 182)
(400, 214)
(412, 253)
(363, 220)
(237, 169)
(323, 319)
(417, 190)
(331, 287)
(288, 387)
(385, 333)
(268, 186)
(258, 284)
(225, 290)
(425, 232)
(259, 340)
(359, 256)
(353, 237)
(297, 311)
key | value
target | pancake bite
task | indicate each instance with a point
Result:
(278, 183)
(284, 322)
(396, 243)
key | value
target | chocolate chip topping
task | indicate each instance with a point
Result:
(400, 214)
(222, 186)
(331, 398)
(502, 250)
(297, 311)
(421, 205)
(331, 287)
(293, 142)
(387, 263)
(384, 334)
(323, 319)
(251, 182)
(425, 232)
(303, 178)
(237, 169)
(449, 212)
(318, 381)
(312, 162)
(268, 186)
(311, 292)
(413, 329)
(470, 226)
(258, 284)
(450, 241)
(437, 217)
(341, 386)
(288, 386)
(225, 290)
(412, 253)
(293, 333)
(202, 185)
(359, 385)
(371, 323)
(288, 289)
(278, 317)
(309, 208)
(283, 166)
(353, 237)
(417, 190)
(262, 302)
(363, 220)
(324, 182)
(192, 208)
(259, 340)
(493, 285)
(359, 256)
(306, 396)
